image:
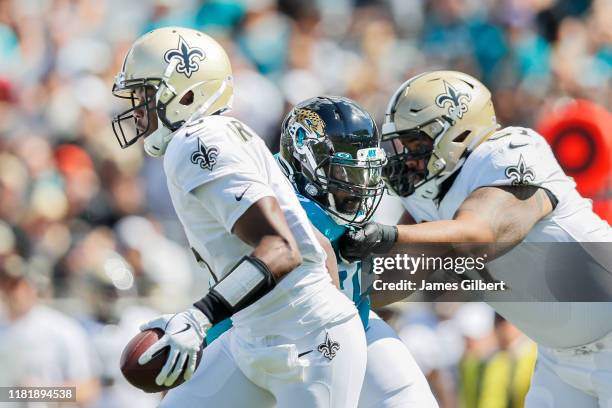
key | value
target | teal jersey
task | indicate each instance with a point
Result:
(349, 273)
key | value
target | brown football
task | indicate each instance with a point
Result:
(143, 376)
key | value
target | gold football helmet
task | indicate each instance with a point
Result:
(450, 113)
(180, 74)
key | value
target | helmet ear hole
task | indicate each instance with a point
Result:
(187, 99)
(462, 136)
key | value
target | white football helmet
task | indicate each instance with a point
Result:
(187, 74)
(452, 109)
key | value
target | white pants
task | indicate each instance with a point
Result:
(392, 378)
(579, 377)
(323, 369)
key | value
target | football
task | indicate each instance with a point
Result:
(143, 376)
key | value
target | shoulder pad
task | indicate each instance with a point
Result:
(513, 156)
(202, 152)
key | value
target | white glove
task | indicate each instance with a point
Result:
(184, 333)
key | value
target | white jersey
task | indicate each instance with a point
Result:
(515, 156)
(223, 156)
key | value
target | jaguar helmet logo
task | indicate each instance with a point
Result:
(188, 57)
(311, 121)
(306, 125)
(455, 100)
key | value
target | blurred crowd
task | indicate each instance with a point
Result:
(90, 229)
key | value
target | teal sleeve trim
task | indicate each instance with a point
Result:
(217, 330)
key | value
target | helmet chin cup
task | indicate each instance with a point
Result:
(430, 189)
(439, 165)
(156, 143)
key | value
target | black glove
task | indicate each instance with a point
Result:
(372, 238)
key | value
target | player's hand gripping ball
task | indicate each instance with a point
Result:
(166, 353)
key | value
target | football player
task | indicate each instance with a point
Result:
(296, 340)
(476, 183)
(330, 150)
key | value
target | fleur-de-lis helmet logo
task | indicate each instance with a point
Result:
(456, 101)
(329, 347)
(188, 57)
(205, 156)
(520, 174)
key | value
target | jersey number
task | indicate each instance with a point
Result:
(239, 130)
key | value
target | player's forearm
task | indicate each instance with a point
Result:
(380, 239)
(503, 214)
(278, 255)
(250, 279)
(264, 227)
(470, 235)
(445, 231)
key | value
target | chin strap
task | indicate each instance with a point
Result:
(155, 144)
(431, 189)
